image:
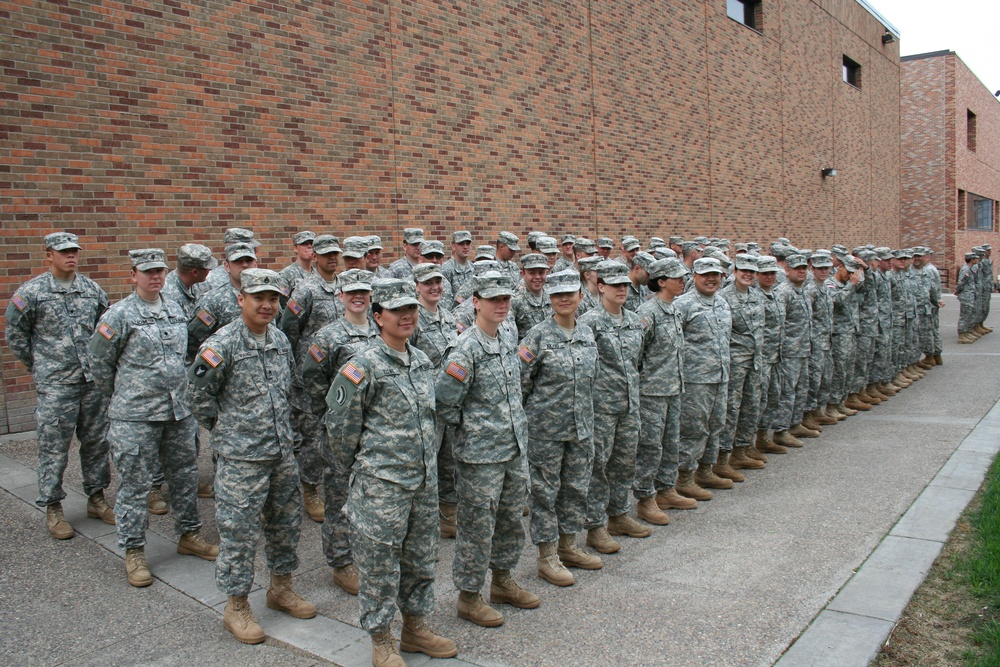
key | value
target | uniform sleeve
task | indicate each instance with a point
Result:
(102, 304)
(296, 316)
(201, 325)
(317, 371)
(453, 382)
(20, 323)
(106, 345)
(206, 380)
(347, 399)
(527, 351)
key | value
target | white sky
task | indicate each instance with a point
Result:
(967, 27)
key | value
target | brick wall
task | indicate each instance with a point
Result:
(143, 123)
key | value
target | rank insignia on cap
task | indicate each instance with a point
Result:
(526, 354)
(206, 318)
(18, 302)
(106, 331)
(353, 373)
(212, 357)
(457, 372)
(294, 307)
(316, 353)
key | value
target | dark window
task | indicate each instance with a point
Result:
(970, 130)
(980, 213)
(748, 12)
(852, 72)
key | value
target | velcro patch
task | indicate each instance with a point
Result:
(526, 354)
(316, 353)
(457, 372)
(353, 373)
(212, 357)
(106, 331)
(294, 307)
(18, 302)
(206, 318)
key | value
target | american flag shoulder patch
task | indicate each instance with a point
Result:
(106, 331)
(460, 327)
(18, 302)
(316, 353)
(526, 354)
(206, 318)
(457, 372)
(212, 357)
(353, 373)
(294, 307)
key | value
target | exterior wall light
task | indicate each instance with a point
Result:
(829, 172)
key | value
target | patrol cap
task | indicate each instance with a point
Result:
(534, 236)
(883, 252)
(562, 282)
(753, 246)
(356, 280)
(670, 267)
(611, 272)
(485, 265)
(795, 260)
(707, 265)
(655, 242)
(568, 238)
(413, 235)
(643, 259)
(509, 240)
(302, 238)
(851, 263)
(783, 241)
(492, 284)
(605, 242)
(374, 242)
(195, 256)
(838, 249)
(918, 251)
(676, 240)
(424, 272)
(663, 252)
(970, 256)
(240, 235)
(741, 247)
(906, 253)
(393, 293)
(239, 251)
(687, 246)
(485, 252)
(986, 246)
(253, 281)
(62, 241)
(780, 251)
(767, 264)
(147, 259)
(586, 245)
(630, 243)
(325, 244)
(354, 246)
(821, 261)
(461, 236)
(745, 262)
(431, 248)
(546, 245)
(701, 240)
(590, 263)
(534, 260)
(867, 255)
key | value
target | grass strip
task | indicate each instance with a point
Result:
(980, 571)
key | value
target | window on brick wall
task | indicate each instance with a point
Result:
(970, 130)
(979, 213)
(852, 72)
(748, 12)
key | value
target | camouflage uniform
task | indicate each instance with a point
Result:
(48, 327)
(175, 290)
(843, 341)
(932, 340)
(637, 295)
(919, 292)
(384, 410)
(239, 390)
(530, 309)
(868, 318)
(457, 276)
(745, 367)
(707, 323)
(293, 274)
(557, 383)
(137, 357)
(964, 290)
(402, 268)
(770, 381)
(821, 345)
(986, 287)
(795, 351)
(903, 314)
(882, 368)
(213, 310)
(478, 391)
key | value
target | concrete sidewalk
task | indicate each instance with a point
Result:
(734, 582)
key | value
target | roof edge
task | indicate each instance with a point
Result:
(874, 12)
(929, 54)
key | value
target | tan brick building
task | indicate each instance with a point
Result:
(154, 123)
(950, 158)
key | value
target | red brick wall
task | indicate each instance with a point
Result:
(146, 123)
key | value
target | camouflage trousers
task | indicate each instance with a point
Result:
(770, 395)
(913, 340)
(742, 406)
(987, 294)
(794, 392)
(394, 537)
(335, 531)
(615, 438)
(491, 498)
(882, 369)
(820, 379)
(446, 463)
(245, 492)
(899, 338)
(864, 360)
(703, 416)
(310, 438)
(560, 478)
(659, 439)
(844, 350)
(967, 315)
(135, 446)
(932, 333)
(62, 410)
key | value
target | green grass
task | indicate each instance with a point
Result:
(980, 571)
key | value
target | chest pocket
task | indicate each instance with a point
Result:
(585, 360)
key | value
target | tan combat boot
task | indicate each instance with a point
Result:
(448, 520)
(938, 360)
(886, 389)
(834, 413)
(855, 403)
(706, 478)
(647, 510)
(136, 569)
(623, 524)
(740, 459)
(418, 638)
(193, 544)
(809, 421)
(600, 541)
(786, 439)
(767, 445)
(686, 486)
(724, 470)
(927, 362)
(550, 568)
(157, 505)
(384, 651)
(504, 590)
(871, 395)
(346, 577)
(822, 418)
(965, 339)
(846, 411)
(573, 556)
(669, 499)
(238, 619)
(473, 608)
(281, 597)
(98, 508)
(57, 524)
(755, 452)
(800, 431)
(313, 503)
(206, 490)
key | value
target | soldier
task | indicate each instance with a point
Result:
(819, 410)
(457, 269)
(964, 290)
(568, 257)
(843, 288)
(219, 306)
(137, 358)
(988, 285)
(301, 267)
(675, 243)
(239, 387)
(355, 252)
(630, 246)
(548, 247)
(432, 252)
(932, 344)
(382, 404)
(882, 371)
(373, 256)
(638, 292)
(868, 317)
(904, 309)
(531, 306)
(478, 392)
(604, 247)
(507, 249)
(795, 350)
(584, 248)
(560, 360)
(770, 381)
(403, 267)
(49, 321)
(588, 276)
(619, 334)
(218, 276)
